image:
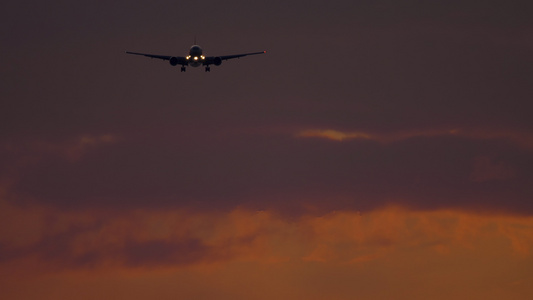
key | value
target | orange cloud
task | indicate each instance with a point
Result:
(241, 252)
(244, 235)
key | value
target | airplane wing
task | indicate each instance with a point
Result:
(179, 59)
(240, 55)
(217, 60)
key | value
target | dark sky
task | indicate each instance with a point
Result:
(432, 100)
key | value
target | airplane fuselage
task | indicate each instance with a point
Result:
(195, 57)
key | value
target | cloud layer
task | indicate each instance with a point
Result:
(335, 251)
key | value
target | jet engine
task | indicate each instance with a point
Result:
(173, 61)
(217, 61)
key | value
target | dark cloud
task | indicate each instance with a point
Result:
(92, 240)
(54, 247)
(162, 253)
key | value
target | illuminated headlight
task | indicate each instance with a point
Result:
(188, 57)
(196, 58)
(203, 57)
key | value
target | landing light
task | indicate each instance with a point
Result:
(203, 57)
(196, 58)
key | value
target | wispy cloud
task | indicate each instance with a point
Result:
(71, 149)
(523, 139)
(334, 134)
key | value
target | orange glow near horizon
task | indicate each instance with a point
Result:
(245, 254)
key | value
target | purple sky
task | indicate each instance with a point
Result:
(441, 92)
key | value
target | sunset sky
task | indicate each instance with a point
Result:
(379, 150)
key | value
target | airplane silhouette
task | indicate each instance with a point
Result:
(195, 58)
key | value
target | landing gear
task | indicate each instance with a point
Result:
(207, 69)
(183, 69)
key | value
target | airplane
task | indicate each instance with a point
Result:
(195, 58)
